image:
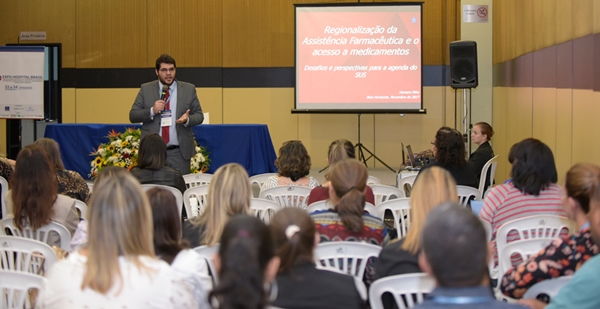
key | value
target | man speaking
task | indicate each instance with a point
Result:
(170, 108)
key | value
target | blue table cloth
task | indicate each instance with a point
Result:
(247, 144)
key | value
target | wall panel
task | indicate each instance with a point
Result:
(564, 21)
(69, 105)
(499, 124)
(582, 18)
(585, 126)
(211, 101)
(190, 31)
(104, 105)
(111, 34)
(564, 132)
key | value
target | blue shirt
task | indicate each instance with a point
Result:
(478, 297)
(581, 292)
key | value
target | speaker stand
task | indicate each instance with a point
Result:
(360, 149)
(467, 125)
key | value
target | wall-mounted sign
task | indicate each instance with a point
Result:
(475, 13)
(31, 36)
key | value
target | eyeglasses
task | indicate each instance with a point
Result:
(165, 70)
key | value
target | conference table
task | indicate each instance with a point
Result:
(249, 145)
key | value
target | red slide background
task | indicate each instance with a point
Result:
(343, 86)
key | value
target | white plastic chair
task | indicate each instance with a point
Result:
(195, 200)
(523, 248)
(176, 193)
(90, 186)
(83, 209)
(40, 234)
(259, 180)
(264, 209)
(347, 256)
(465, 193)
(372, 180)
(3, 192)
(325, 204)
(15, 286)
(194, 180)
(400, 210)
(405, 184)
(287, 196)
(489, 164)
(404, 288)
(383, 193)
(23, 254)
(549, 287)
(207, 254)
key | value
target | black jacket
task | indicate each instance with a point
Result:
(165, 176)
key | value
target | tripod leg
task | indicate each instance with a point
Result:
(376, 158)
(360, 155)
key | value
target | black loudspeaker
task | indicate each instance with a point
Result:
(463, 64)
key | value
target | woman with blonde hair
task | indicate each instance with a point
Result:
(433, 187)
(229, 193)
(117, 268)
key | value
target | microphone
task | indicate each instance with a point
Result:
(163, 94)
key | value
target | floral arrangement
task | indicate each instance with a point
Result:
(122, 150)
(200, 162)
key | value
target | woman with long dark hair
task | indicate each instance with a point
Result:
(33, 198)
(246, 262)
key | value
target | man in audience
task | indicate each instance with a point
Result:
(456, 253)
(581, 291)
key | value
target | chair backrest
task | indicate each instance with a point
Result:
(195, 200)
(383, 193)
(174, 191)
(83, 209)
(372, 180)
(90, 186)
(194, 180)
(483, 177)
(523, 248)
(408, 290)
(287, 196)
(264, 209)
(15, 286)
(405, 184)
(540, 226)
(26, 255)
(549, 287)
(207, 254)
(347, 256)
(325, 204)
(40, 234)
(400, 210)
(259, 180)
(466, 193)
(3, 192)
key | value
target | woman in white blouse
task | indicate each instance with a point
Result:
(117, 268)
(293, 165)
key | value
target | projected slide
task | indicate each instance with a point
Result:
(358, 57)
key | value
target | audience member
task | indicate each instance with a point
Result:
(80, 237)
(169, 248)
(117, 268)
(481, 135)
(348, 221)
(581, 291)
(33, 198)
(293, 165)
(70, 183)
(299, 283)
(151, 168)
(449, 152)
(229, 193)
(532, 190)
(455, 253)
(434, 186)
(246, 262)
(338, 150)
(567, 254)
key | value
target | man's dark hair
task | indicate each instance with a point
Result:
(164, 58)
(455, 244)
(533, 168)
(153, 152)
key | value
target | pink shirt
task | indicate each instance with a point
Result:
(506, 203)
